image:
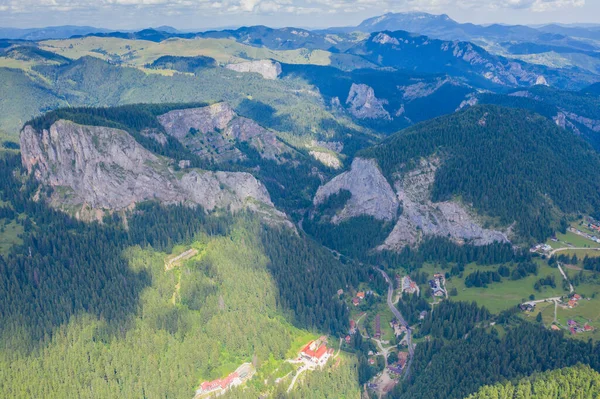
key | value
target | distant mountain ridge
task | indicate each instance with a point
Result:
(50, 32)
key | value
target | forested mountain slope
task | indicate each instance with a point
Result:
(568, 383)
(578, 112)
(98, 302)
(513, 166)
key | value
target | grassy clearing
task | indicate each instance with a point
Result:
(9, 236)
(574, 240)
(508, 293)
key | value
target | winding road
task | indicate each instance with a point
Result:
(398, 315)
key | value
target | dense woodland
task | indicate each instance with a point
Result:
(568, 383)
(459, 367)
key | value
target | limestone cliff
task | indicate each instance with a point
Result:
(421, 217)
(372, 195)
(106, 168)
(363, 104)
(267, 68)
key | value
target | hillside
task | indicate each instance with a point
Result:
(578, 381)
(508, 164)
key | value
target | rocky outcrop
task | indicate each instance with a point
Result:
(421, 217)
(107, 169)
(371, 193)
(363, 104)
(211, 132)
(267, 68)
(384, 38)
(326, 158)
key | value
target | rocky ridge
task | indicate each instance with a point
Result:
(107, 169)
(212, 131)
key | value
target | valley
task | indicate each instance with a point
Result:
(408, 207)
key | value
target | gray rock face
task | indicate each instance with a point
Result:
(421, 217)
(371, 193)
(363, 104)
(177, 123)
(211, 132)
(267, 68)
(383, 38)
(106, 168)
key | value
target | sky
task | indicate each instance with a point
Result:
(204, 14)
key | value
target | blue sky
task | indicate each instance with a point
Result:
(202, 14)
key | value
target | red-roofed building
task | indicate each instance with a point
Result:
(572, 329)
(355, 301)
(360, 295)
(315, 353)
(231, 380)
(348, 339)
(587, 327)
(576, 297)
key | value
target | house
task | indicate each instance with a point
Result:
(572, 303)
(408, 285)
(360, 295)
(555, 327)
(348, 339)
(371, 361)
(587, 327)
(422, 315)
(572, 330)
(395, 369)
(576, 297)
(355, 301)
(231, 380)
(340, 292)
(316, 352)
(527, 307)
(571, 323)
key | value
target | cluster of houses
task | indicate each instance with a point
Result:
(409, 286)
(397, 367)
(573, 301)
(360, 296)
(220, 386)
(437, 285)
(398, 327)
(576, 328)
(316, 353)
(586, 235)
(540, 249)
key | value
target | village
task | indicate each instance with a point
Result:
(566, 303)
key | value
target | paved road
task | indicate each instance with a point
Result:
(571, 249)
(398, 316)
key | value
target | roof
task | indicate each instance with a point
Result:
(224, 383)
(316, 354)
(360, 294)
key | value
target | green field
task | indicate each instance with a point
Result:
(573, 239)
(508, 293)
(9, 236)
